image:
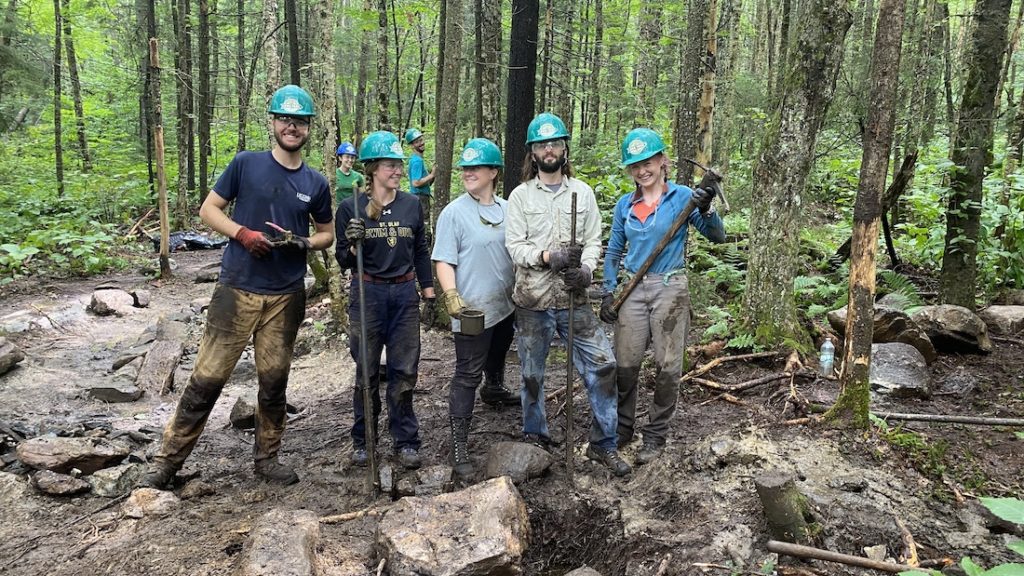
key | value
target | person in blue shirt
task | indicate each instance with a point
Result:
(261, 291)
(658, 309)
(420, 178)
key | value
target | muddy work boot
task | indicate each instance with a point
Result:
(609, 458)
(409, 458)
(159, 476)
(359, 457)
(273, 471)
(461, 464)
(648, 453)
(494, 393)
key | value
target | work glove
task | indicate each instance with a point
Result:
(577, 279)
(355, 231)
(453, 302)
(608, 313)
(703, 196)
(291, 242)
(255, 242)
(427, 312)
(568, 257)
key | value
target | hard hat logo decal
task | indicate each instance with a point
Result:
(546, 129)
(396, 148)
(291, 105)
(637, 146)
(470, 154)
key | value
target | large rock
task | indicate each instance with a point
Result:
(56, 484)
(157, 372)
(890, 325)
(517, 460)
(1004, 319)
(283, 543)
(62, 454)
(584, 571)
(149, 502)
(113, 482)
(113, 301)
(481, 530)
(953, 328)
(9, 355)
(243, 412)
(899, 370)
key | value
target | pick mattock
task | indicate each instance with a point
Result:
(369, 418)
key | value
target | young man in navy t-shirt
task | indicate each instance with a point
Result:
(261, 292)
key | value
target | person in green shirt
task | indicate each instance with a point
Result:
(347, 179)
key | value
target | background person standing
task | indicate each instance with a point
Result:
(420, 178)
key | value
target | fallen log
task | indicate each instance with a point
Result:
(940, 418)
(719, 361)
(800, 551)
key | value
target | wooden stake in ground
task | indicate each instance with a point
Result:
(783, 505)
(161, 176)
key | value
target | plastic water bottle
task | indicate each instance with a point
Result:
(827, 358)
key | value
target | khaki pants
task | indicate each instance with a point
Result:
(657, 312)
(233, 317)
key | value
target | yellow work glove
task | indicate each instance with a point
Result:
(453, 302)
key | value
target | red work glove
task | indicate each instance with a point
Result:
(255, 242)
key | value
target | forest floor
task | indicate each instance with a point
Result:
(696, 504)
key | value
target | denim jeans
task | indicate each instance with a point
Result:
(475, 355)
(392, 319)
(591, 355)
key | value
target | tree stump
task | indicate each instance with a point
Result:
(783, 505)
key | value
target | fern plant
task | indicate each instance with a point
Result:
(901, 292)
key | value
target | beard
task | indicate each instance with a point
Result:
(550, 167)
(288, 148)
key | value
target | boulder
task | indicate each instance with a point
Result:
(890, 325)
(111, 301)
(207, 276)
(517, 460)
(157, 371)
(141, 298)
(56, 484)
(10, 355)
(62, 454)
(1004, 319)
(113, 482)
(899, 370)
(115, 393)
(243, 413)
(953, 328)
(149, 502)
(481, 530)
(282, 543)
(583, 571)
(1013, 297)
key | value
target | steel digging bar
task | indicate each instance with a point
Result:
(569, 436)
(710, 177)
(369, 418)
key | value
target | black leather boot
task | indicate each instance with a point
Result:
(494, 393)
(461, 464)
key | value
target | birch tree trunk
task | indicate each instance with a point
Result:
(784, 162)
(972, 154)
(851, 407)
(364, 64)
(76, 87)
(158, 146)
(706, 104)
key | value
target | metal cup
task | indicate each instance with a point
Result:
(472, 321)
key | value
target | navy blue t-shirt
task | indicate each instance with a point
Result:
(265, 191)
(394, 245)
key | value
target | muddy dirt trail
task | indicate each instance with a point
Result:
(692, 511)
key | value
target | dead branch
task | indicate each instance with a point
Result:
(718, 361)
(138, 223)
(742, 385)
(951, 419)
(910, 547)
(800, 421)
(799, 551)
(339, 518)
(1007, 339)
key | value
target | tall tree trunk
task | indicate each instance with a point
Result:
(241, 83)
(490, 81)
(185, 108)
(689, 91)
(545, 64)
(291, 19)
(383, 71)
(58, 146)
(781, 65)
(158, 146)
(973, 153)
(76, 87)
(784, 162)
(144, 21)
(364, 64)
(706, 105)
(271, 59)
(444, 144)
(728, 53)
(521, 87)
(648, 60)
(10, 16)
(592, 122)
(932, 72)
(204, 98)
(478, 69)
(398, 68)
(947, 76)
(851, 407)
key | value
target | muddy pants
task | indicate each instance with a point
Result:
(475, 355)
(272, 320)
(591, 355)
(657, 312)
(392, 319)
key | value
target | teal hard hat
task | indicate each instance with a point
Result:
(412, 134)
(382, 145)
(640, 144)
(546, 126)
(480, 152)
(291, 100)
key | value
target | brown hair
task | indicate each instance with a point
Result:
(530, 170)
(373, 208)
